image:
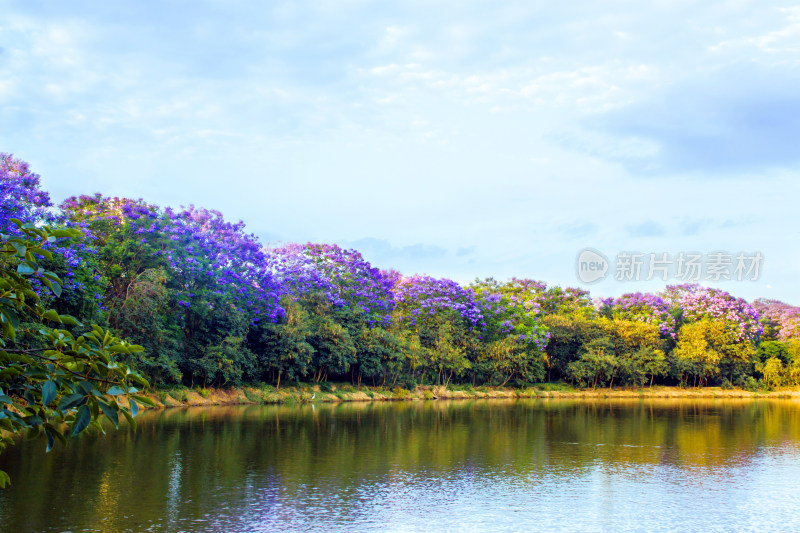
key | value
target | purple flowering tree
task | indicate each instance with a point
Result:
(339, 278)
(641, 307)
(781, 321)
(513, 339)
(210, 279)
(718, 334)
(697, 303)
(446, 317)
(347, 305)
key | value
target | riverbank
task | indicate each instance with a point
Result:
(327, 393)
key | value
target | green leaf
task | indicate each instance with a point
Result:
(49, 392)
(82, 419)
(50, 440)
(115, 390)
(33, 432)
(56, 288)
(20, 248)
(70, 401)
(69, 320)
(62, 233)
(98, 426)
(129, 418)
(23, 268)
(134, 408)
(110, 413)
(44, 253)
(8, 330)
(118, 348)
(56, 433)
(51, 315)
(34, 420)
(10, 317)
(5, 480)
(144, 400)
(87, 387)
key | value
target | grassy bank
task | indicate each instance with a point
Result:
(331, 393)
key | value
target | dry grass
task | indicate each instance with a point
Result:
(313, 394)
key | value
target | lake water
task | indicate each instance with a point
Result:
(643, 465)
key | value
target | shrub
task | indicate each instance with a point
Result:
(179, 394)
(252, 396)
(753, 385)
(401, 393)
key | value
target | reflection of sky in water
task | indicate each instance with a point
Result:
(759, 495)
(481, 467)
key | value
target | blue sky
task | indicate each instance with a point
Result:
(457, 139)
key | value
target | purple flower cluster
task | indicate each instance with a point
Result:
(419, 298)
(783, 317)
(22, 198)
(20, 195)
(511, 309)
(698, 302)
(549, 300)
(217, 258)
(525, 294)
(641, 307)
(343, 278)
(213, 262)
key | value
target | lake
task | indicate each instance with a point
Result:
(482, 465)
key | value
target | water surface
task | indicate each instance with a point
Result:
(643, 465)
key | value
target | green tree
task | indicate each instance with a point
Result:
(643, 365)
(568, 336)
(448, 359)
(772, 371)
(509, 359)
(595, 365)
(771, 349)
(379, 355)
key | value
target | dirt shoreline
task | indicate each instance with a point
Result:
(308, 394)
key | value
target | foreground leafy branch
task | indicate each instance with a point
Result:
(54, 385)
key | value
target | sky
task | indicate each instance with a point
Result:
(458, 139)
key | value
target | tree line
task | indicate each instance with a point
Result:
(212, 306)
